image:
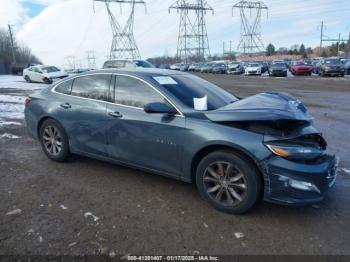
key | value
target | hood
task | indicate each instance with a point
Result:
(55, 74)
(270, 106)
(279, 67)
(253, 67)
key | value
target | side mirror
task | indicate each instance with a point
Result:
(159, 108)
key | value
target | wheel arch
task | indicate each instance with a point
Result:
(41, 121)
(200, 154)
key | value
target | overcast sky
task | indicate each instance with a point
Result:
(55, 29)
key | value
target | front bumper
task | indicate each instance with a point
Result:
(278, 73)
(252, 73)
(293, 183)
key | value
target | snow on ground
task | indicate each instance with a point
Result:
(17, 82)
(12, 104)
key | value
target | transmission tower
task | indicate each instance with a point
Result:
(71, 62)
(123, 43)
(193, 40)
(91, 59)
(251, 38)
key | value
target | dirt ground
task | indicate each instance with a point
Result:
(86, 207)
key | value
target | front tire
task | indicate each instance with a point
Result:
(47, 81)
(228, 181)
(27, 78)
(54, 141)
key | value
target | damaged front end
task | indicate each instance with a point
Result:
(298, 170)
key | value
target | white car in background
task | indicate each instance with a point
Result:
(121, 63)
(43, 74)
(253, 69)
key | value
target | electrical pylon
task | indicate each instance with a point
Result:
(123, 44)
(251, 37)
(193, 40)
(91, 59)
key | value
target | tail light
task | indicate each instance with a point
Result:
(27, 101)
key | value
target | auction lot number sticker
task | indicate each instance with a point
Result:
(172, 258)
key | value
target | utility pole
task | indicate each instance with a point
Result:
(321, 38)
(329, 39)
(12, 45)
(123, 43)
(193, 37)
(251, 36)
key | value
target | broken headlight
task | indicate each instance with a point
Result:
(295, 151)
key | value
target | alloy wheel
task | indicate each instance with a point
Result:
(225, 183)
(52, 140)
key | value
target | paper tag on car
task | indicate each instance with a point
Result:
(165, 80)
(200, 103)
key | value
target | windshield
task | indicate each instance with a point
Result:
(254, 65)
(145, 64)
(279, 64)
(50, 69)
(333, 61)
(190, 89)
(301, 63)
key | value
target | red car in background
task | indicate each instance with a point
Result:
(301, 68)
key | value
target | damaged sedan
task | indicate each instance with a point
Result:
(235, 150)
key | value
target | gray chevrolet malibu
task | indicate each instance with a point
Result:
(175, 124)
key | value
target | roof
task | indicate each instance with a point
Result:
(139, 71)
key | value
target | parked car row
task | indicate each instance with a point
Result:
(334, 66)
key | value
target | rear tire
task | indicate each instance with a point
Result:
(228, 181)
(54, 141)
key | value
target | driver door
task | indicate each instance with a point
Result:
(36, 74)
(152, 141)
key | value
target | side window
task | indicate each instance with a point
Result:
(65, 87)
(92, 86)
(133, 92)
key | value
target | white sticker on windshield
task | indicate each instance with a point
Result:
(165, 80)
(200, 103)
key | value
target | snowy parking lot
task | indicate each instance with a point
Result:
(91, 207)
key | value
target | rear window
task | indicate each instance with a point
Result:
(64, 87)
(144, 64)
(114, 64)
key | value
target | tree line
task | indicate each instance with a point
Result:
(343, 48)
(23, 54)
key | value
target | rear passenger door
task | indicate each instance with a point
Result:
(82, 110)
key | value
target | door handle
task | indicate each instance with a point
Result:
(115, 114)
(66, 106)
